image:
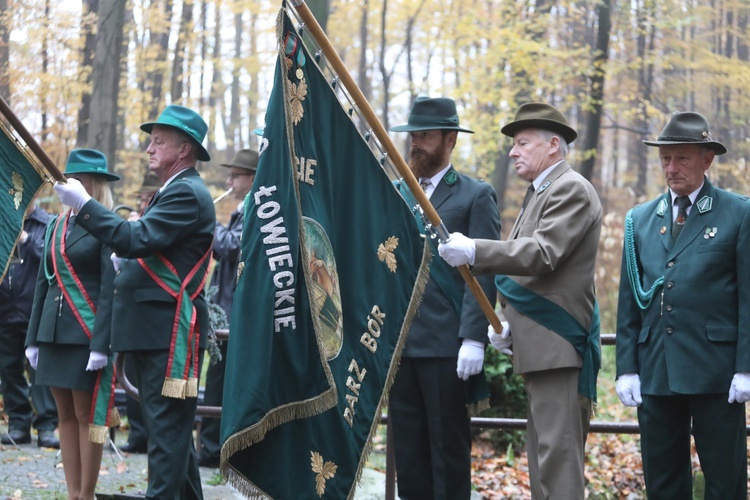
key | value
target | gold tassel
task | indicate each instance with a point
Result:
(98, 433)
(114, 417)
(173, 388)
(475, 409)
(191, 391)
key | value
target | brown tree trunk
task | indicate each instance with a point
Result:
(106, 78)
(178, 64)
(90, 7)
(596, 90)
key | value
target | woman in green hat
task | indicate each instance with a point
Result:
(68, 337)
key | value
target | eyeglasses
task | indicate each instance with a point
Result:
(233, 176)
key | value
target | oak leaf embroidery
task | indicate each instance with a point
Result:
(325, 471)
(385, 253)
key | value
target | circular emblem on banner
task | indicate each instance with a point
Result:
(325, 295)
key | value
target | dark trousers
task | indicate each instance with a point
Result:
(720, 440)
(211, 427)
(172, 461)
(16, 391)
(137, 434)
(431, 430)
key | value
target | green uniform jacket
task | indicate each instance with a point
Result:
(179, 222)
(468, 206)
(696, 336)
(53, 323)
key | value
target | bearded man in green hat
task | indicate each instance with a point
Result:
(546, 281)
(160, 317)
(446, 341)
(683, 320)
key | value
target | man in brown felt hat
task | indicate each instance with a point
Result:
(226, 249)
(546, 282)
(683, 320)
(446, 341)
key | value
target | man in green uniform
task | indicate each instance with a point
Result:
(683, 320)
(160, 317)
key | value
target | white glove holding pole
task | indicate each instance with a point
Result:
(97, 361)
(628, 389)
(458, 250)
(72, 194)
(739, 390)
(32, 354)
(501, 341)
(470, 359)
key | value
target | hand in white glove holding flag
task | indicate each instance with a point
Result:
(458, 250)
(501, 341)
(72, 194)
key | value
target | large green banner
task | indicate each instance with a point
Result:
(330, 275)
(19, 184)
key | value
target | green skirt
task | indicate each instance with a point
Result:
(64, 366)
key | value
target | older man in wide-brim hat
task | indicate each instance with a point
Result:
(164, 261)
(546, 284)
(446, 341)
(683, 336)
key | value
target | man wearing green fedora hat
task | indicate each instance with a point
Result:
(546, 281)
(226, 250)
(683, 320)
(160, 317)
(446, 341)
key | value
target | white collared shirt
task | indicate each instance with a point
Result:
(540, 178)
(434, 181)
(692, 197)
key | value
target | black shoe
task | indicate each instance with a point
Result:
(133, 448)
(210, 462)
(16, 437)
(47, 439)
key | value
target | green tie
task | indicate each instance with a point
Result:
(527, 198)
(682, 203)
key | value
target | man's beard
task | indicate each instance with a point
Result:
(423, 164)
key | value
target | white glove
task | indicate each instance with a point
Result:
(628, 388)
(501, 341)
(32, 354)
(739, 391)
(458, 250)
(470, 359)
(115, 261)
(97, 361)
(72, 194)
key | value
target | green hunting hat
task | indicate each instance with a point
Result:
(186, 121)
(245, 158)
(687, 127)
(542, 116)
(88, 161)
(151, 183)
(432, 113)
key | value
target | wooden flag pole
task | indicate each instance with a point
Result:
(30, 142)
(359, 99)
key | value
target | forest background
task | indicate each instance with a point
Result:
(87, 73)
